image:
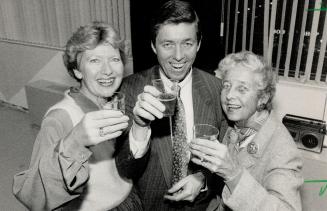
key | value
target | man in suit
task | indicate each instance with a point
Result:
(176, 39)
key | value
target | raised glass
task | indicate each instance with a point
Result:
(167, 95)
(114, 102)
(205, 131)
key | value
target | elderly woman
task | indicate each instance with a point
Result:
(73, 164)
(257, 159)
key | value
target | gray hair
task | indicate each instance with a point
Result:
(266, 82)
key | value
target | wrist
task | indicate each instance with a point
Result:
(201, 178)
(233, 175)
(141, 122)
(140, 133)
(200, 175)
(71, 143)
(232, 182)
(74, 149)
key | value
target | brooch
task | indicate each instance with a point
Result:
(252, 148)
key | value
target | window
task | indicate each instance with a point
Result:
(291, 34)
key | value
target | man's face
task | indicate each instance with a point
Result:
(176, 47)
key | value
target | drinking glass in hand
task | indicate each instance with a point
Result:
(167, 96)
(114, 102)
(205, 131)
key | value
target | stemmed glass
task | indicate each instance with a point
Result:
(168, 97)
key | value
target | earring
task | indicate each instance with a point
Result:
(261, 107)
(78, 74)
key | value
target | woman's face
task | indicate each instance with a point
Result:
(101, 70)
(239, 96)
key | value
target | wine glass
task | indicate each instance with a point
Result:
(167, 95)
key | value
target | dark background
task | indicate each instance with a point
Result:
(211, 50)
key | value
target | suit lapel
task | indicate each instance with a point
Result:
(202, 109)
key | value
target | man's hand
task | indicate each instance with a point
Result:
(186, 189)
(148, 107)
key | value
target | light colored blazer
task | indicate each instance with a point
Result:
(156, 179)
(272, 176)
(57, 177)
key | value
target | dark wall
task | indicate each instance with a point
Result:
(211, 51)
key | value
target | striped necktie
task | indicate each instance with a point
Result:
(179, 142)
(243, 129)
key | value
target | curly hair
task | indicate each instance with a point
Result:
(89, 37)
(266, 82)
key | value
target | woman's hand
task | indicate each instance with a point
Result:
(215, 157)
(98, 126)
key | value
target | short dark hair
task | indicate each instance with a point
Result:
(174, 11)
(89, 37)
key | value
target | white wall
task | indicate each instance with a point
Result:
(21, 64)
(301, 99)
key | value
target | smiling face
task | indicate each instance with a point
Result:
(101, 71)
(239, 96)
(176, 47)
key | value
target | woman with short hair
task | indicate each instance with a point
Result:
(257, 159)
(73, 163)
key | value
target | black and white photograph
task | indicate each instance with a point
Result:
(163, 105)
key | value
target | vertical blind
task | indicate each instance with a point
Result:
(290, 34)
(51, 22)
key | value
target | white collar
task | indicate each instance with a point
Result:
(182, 83)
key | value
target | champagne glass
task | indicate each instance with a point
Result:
(114, 102)
(167, 96)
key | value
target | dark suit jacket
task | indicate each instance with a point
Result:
(156, 179)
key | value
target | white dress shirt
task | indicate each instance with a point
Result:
(140, 147)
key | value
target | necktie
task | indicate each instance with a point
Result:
(179, 142)
(238, 136)
(246, 128)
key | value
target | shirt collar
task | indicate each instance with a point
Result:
(82, 101)
(182, 83)
(254, 123)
